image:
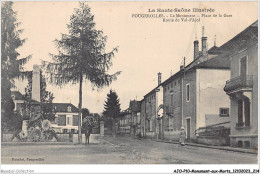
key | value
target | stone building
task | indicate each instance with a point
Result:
(153, 102)
(202, 95)
(143, 118)
(172, 106)
(193, 97)
(135, 111)
(124, 120)
(66, 118)
(242, 87)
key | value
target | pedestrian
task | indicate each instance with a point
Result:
(87, 134)
(182, 136)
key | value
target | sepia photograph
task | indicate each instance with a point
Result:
(115, 82)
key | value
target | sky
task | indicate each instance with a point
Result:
(146, 45)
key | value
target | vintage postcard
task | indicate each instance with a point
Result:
(129, 83)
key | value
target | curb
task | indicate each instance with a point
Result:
(212, 147)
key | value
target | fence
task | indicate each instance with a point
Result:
(217, 134)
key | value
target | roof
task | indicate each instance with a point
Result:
(17, 95)
(153, 90)
(63, 107)
(135, 106)
(123, 113)
(249, 32)
(213, 61)
(214, 50)
(171, 78)
(216, 62)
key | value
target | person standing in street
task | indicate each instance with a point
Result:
(182, 136)
(87, 134)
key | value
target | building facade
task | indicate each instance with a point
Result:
(143, 119)
(242, 87)
(202, 95)
(18, 100)
(172, 118)
(124, 120)
(153, 106)
(135, 111)
(66, 118)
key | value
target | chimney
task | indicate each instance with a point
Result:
(159, 78)
(36, 95)
(196, 49)
(204, 45)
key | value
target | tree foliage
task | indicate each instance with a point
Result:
(85, 112)
(81, 55)
(111, 107)
(11, 66)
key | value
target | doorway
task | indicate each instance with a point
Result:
(188, 128)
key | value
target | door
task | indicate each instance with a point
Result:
(240, 113)
(160, 129)
(188, 128)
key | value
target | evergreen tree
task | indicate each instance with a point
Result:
(112, 108)
(11, 66)
(81, 55)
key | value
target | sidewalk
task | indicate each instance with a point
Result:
(228, 148)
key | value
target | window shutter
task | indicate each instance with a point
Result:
(62, 120)
(75, 120)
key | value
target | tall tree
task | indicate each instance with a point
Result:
(112, 108)
(81, 55)
(11, 66)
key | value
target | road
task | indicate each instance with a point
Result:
(121, 150)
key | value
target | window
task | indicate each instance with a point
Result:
(151, 125)
(247, 112)
(224, 112)
(69, 109)
(243, 116)
(65, 130)
(175, 83)
(171, 99)
(188, 92)
(243, 66)
(56, 121)
(172, 85)
(69, 121)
